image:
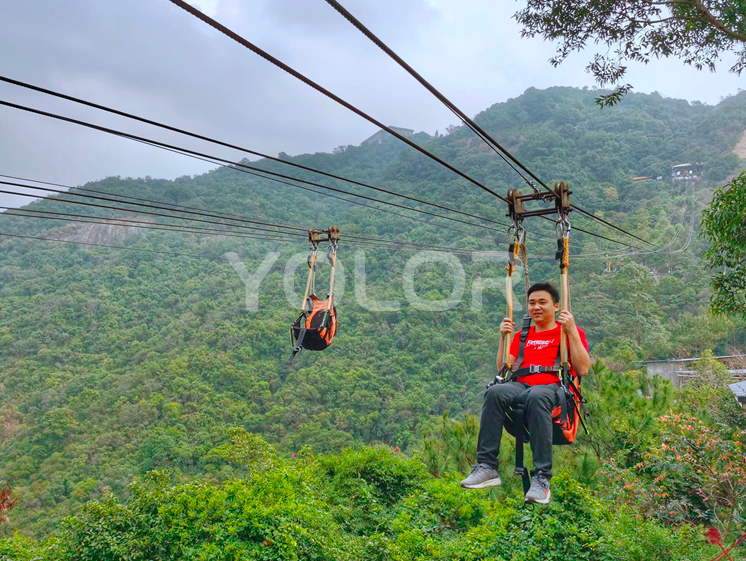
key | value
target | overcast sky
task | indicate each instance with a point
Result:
(153, 59)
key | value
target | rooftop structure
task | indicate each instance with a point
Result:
(679, 370)
(687, 172)
(739, 390)
(381, 134)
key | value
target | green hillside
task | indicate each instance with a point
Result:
(115, 363)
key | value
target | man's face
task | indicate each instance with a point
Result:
(540, 306)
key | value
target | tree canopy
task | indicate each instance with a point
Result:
(724, 226)
(698, 32)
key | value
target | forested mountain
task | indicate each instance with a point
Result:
(114, 363)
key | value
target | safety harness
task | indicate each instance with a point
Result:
(317, 324)
(571, 409)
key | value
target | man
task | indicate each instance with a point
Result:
(537, 391)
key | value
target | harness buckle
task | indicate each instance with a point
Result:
(533, 369)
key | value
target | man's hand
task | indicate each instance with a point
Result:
(567, 320)
(507, 326)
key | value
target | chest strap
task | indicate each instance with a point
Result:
(519, 370)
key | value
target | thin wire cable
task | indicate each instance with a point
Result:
(270, 178)
(609, 224)
(269, 58)
(362, 242)
(193, 256)
(228, 215)
(600, 236)
(237, 164)
(496, 147)
(500, 150)
(105, 220)
(96, 197)
(233, 146)
(109, 207)
(175, 207)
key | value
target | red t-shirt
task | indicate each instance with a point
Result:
(541, 350)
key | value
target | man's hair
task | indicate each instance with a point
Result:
(546, 287)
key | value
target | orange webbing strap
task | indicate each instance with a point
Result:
(333, 232)
(333, 262)
(311, 274)
(513, 252)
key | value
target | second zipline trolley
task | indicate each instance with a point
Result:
(317, 324)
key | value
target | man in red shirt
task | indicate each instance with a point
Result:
(537, 391)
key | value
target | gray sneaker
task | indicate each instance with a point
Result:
(482, 476)
(539, 491)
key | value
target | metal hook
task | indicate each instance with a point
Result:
(520, 235)
(562, 227)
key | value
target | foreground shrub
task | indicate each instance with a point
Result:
(272, 517)
(368, 505)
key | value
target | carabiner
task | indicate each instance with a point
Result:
(520, 235)
(563, 227)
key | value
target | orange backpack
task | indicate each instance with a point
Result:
(317, 324)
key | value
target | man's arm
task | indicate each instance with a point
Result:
(506, 326)
(581, 360)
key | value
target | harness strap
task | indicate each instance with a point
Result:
(524, 335)
(562, 393)
(298, 344)
(520, 469)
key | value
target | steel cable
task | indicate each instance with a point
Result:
(269, 58)
(237, 164)
(109, 207)
(235, 147)
(500, 150)
(199, 155)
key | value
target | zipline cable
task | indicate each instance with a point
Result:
(193, 256)
(237, 164)
(496, 147)
(227, 215)
(500, 150)
(109, 207)
(96, 197)
(233, 146)
(239, 167)
(193, 153)
(106, 220)
(269, 58)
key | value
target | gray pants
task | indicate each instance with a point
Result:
(539, 402)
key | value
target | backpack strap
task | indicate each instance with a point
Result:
(298, 346)
(299, 341)
(524, 335)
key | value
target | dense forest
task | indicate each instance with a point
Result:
(147, 414)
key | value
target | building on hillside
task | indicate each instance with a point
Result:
(381, 134)
(739, 391)
(679, 370)
(687, 172)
